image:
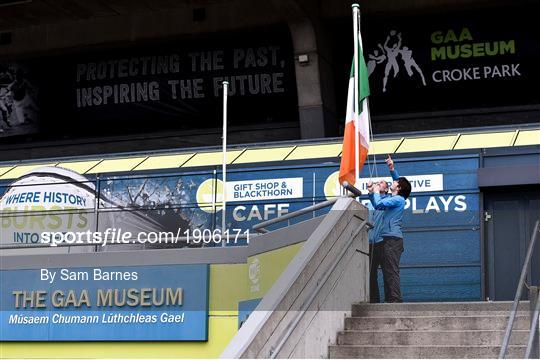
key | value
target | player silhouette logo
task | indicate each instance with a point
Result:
(389, 52)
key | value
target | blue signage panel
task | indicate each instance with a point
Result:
(441, 221)
(442, 257)
(245, 308)
(127, 303)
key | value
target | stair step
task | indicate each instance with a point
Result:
(434, 352)
(485, 306)
(412, 323)
(434, 338)
(359, 312)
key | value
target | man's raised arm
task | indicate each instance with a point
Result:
(393, 171)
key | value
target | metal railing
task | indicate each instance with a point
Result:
(515, 304)
(261, 227)
(534, 328)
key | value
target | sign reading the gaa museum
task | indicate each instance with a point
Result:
(143, 303)
(451, 62)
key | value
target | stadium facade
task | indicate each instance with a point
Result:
(111, 117)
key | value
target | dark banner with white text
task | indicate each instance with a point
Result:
(173, 85)
(445, 61)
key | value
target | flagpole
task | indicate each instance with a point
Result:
(224, 164)
(356, 9)
(370, 132)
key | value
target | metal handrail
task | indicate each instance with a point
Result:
(534, 328)
(260, 227)
(355, 191)
(519, 290)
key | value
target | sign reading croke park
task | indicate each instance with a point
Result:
(123, 303)
(451, 61)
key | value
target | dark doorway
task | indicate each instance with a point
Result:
(510, 216)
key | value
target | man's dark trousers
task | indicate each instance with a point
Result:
(392, 249)
(376, 257)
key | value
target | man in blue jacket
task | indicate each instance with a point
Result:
(375, 237)
(391, 232)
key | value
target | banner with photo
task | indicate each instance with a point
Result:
(152, 87)
(19, 107)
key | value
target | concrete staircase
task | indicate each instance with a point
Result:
(431, 330)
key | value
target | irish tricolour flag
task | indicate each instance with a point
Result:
(347, 167)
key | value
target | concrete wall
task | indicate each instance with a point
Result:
(301, 314)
